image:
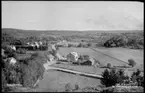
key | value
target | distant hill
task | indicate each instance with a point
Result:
(44, 33)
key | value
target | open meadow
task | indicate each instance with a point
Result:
(56, 80)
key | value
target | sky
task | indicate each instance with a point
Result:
(73, 15)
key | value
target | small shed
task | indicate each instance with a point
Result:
(50, 58)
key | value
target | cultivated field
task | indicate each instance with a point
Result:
(124, 54)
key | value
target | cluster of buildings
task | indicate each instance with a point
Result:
(65, 43)
(35, 44)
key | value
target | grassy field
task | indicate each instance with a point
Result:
(125, 54)
(56, 80)
(87, 69)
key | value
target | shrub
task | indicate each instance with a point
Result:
(80, 45)
(108, 65)
(89, 44)
(131, 62)
(44, 47)
(17, 42)
(4, 82)
(68, 87)
(9, 52)
(70, 45)
(76, 87)
(21, 51)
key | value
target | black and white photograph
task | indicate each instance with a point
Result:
(72, 46)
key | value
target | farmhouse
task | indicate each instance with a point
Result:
(60, 57)
(72, 57)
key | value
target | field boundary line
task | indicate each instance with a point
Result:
(76, 72)
(108, 55)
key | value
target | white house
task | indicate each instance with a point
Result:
(60, 57)
(13, 47)
(12, 60)
(53, 47)
(72, 57)
(40, 43)
(37, 45)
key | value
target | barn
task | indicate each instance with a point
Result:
(87, 60)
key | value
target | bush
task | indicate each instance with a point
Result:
(9, 52)
(44, 47)
(108, 65)
(131, 62)
(70, 45)
(80, 45)
(21, 51)
(17, 42)
(76, 87)
(89, 44)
